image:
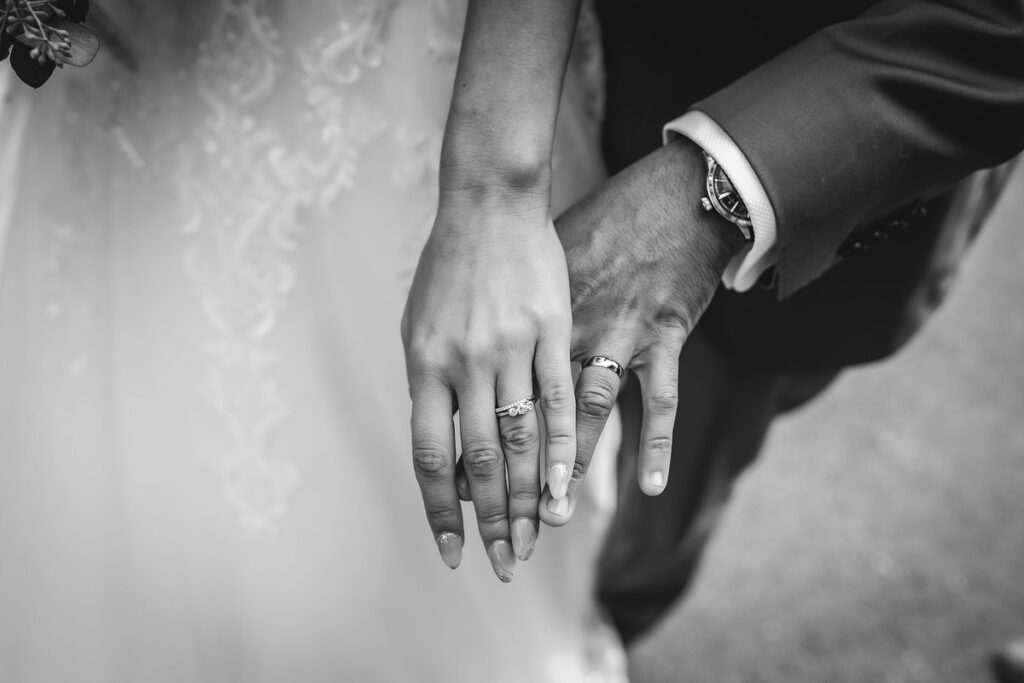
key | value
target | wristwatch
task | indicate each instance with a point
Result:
(720, 195)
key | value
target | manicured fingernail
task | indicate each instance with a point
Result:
(558, 507)
(502, 560)
(450, 546)
(558, 480)
(656, 480)
(524, 535)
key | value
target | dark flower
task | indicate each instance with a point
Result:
(74, 10)
(38, 43)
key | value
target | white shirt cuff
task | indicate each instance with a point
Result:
(757, 257)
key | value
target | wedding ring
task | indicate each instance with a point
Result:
(605, 362)
(515, 408)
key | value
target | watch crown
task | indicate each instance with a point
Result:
(706, 203)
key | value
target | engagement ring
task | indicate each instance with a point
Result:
(520, 407)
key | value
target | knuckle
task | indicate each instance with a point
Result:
(515, 334)
(556, 399)
(482, 462)
(584, 290)
(673, 333)
(596, 400)
(423, 356)
(553, 319)
(561, 439)
(663, 400)
(496, 516)
(443, 517)
(519, 439)
(430, 462)
(524, 495)
(659, 445)
(477, 347)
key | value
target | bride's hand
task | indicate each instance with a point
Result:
(489, 307)
(489, 310)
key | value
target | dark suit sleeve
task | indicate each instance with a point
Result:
(872, 113)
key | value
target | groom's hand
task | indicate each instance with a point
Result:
(644, 261)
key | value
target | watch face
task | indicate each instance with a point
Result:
(726, 194)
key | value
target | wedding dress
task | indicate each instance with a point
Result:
(204, 450)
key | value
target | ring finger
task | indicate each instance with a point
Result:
(597, 388)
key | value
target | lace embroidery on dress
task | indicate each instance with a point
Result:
(241, 250)
(250, 184)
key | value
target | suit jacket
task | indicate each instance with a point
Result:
(881, 133)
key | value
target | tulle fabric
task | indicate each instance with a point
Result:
(204, 447)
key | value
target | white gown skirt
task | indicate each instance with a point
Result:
(205, 472)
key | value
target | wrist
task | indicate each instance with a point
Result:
(484, 190)
(481, 198)
(687, 175)
(481, 156)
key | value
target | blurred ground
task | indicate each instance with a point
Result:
(881, 535)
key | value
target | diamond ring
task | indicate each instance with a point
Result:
(520, 407)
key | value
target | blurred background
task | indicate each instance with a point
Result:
(881, 535)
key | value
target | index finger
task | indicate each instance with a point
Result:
(659, 385)
(433, 458)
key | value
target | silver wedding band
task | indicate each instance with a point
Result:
(605, 362)
(516, 408)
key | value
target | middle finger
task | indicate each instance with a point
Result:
(485, 469)
(520, 441)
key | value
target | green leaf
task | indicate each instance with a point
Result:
(84, 43)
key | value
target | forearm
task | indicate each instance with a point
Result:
(505, 101)
(470, 346)
(872, 113)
